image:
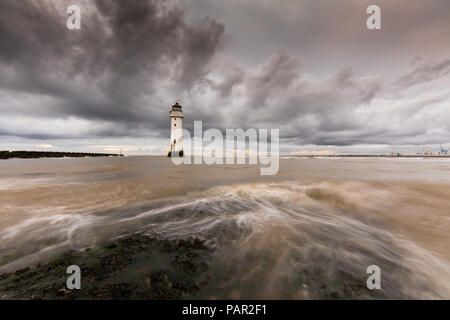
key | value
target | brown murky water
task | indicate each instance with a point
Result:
(338, 214)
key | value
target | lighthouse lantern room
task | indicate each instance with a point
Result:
(176, 131)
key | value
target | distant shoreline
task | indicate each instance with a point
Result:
(4, 155)
(366, 156)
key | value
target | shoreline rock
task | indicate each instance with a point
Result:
(132, 267)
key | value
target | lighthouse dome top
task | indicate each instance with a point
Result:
(176, 106)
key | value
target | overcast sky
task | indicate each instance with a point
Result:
(310, 68)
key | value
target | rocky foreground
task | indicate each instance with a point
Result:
(145, 267)
(134, 267)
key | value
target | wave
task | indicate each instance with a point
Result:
(271, 240)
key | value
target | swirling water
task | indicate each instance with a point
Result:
(310, 229)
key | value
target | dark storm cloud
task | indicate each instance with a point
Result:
(310, 68)
(232, 76)
(278, 74)
(425, 71)
(109, 69)
(340, 109)
(325, 33)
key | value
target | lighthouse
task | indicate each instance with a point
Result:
(176, 133)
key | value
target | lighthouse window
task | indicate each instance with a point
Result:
(175, 124)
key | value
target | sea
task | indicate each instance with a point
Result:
(309, 232)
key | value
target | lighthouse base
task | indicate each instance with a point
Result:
(174, 154)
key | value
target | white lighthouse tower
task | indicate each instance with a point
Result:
(176, 133)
